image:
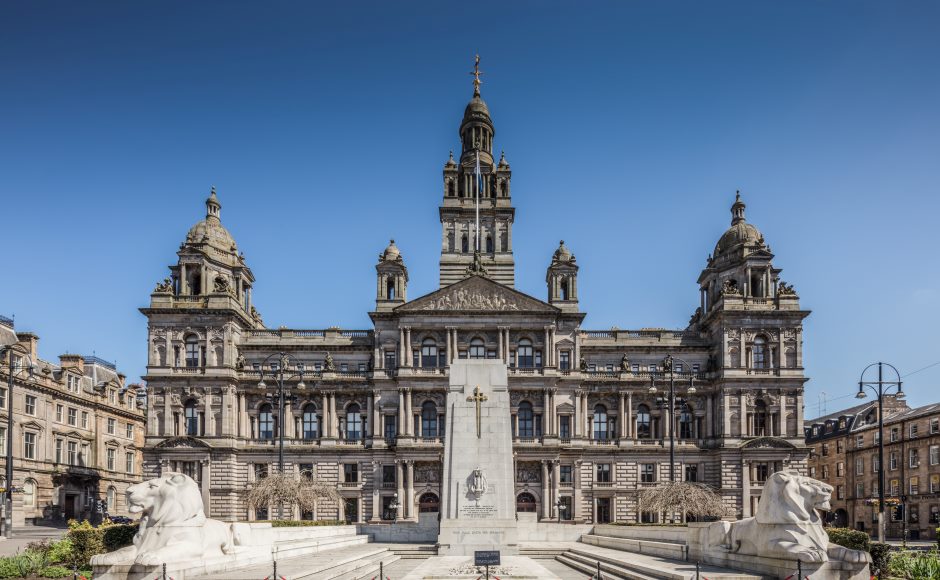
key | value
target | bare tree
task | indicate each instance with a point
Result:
(684, 497)
(285, 489)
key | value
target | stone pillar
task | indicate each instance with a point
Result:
(710, 427)
(499, 343)
(184, 283)
(745, 488)
(410, 493)
(167, 413)
(401, 347)
(288, 418)
(726, 419)
(376, 483)
(742, 352)
(325, 417)
(782, 432)
(547, 349)
(402, 424)
(450, 346)
(576, 399)
(376, 415)
(226, 412)
(334, 420)
(577, 516)
(799, 414)
(547, 412)
(408, 351)
(400, 476)
(205, 474)
(556, 475)
(631, 432)
(743, 417)
(622, 416)
(408, 418)
(546, 500)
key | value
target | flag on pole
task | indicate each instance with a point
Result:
(479, 176)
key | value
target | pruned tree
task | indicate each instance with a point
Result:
(684, 497)
(282, 489)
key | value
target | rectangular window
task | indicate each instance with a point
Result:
(351, 472)
(111, 424)
(825, 449)
(934, 483)
(914, 485)
(73, 453)
(84, 419)
(934, 454)
(935, 426)
(635, 368)
(859, 490)
(83, 456)
(812, 472)
(344, 367)
(648, 472)
(859, 466)
(59, 412)
(390, 428)
(840, 469)
(58, 450)
(129, 463)
(129, 431)
(652, 368)
(913, 458)
(859, 441)
(73, 416)
(895, 488)
(695, 368)
(566, 475)
(306, 470)
(825, 471)
(564, 426)
(913, 430)
(112, 395)
(29, 445)
(30, 405)
(564, 360)
(110, 459)
(840, 447)
(840, 492)
(895, 434)
(877, 436)
(603, 473)
(3, 398)
(893, 461)
(261, 471)
(691, 473)
(388, 476)
(875, 465)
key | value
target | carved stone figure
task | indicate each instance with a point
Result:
(220, 285)
(624, 364)
(730, 288)
(787, 524)
(582, 365)
(784, 289)
(328, 364)
(476, 483)
(240, 362)
(173, 525)
(165, 287)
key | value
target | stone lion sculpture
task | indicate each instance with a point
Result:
(787, 524)
(173, 525)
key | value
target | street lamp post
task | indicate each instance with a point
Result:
(880, 388)
(668, 368)
(12, 371)
(559, 506)
(280, 374)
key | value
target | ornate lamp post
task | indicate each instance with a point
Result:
(12, 371)
(880, 388)
(394, 507)
(668, 368)
(280, 374)
(560, 507)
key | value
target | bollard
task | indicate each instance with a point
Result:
(599, 570)
(799, 569)
(164, 571)
(696, 571)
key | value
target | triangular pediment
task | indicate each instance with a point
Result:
(477, 294)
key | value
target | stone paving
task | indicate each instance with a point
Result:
(25, 535)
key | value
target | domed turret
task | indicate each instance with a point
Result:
(211, 232)
(392, 279)
(740, 231)
(391, 253)
(562, 254)
(562, 279)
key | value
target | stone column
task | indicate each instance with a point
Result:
(167, 412)
(325, 416)
(576, 399)
(546, 500)
(376, 415)
(745, 488)
(576, 509)
(288, 418)
(547, 412)
(334, 420)
(400, 476)
(376, 483)
(409, 416)
(743, 416)
(622, 418)
(547, 349)
(799, 414)
(556, 478)
(742, 352)
(401, 347)
(204, 475)
(410, 493)
(408, 350)
(782, 432)
(499, 343)
(450, 346)
(184, 283)
(710, 427)
(226, 412)
(401, 412)
(726, 419)
(631, 432)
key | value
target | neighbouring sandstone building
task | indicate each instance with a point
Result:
(78, 432)
(366, 407)
(845, 455)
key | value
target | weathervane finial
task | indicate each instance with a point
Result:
(476, 76)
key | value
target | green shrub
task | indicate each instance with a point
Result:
(117, 536)
(304, 523)
(86, 542)
(879, 559)
(60, 552)
(56, 572)
(915, 565)
(849, 538)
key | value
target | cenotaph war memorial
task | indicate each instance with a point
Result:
(478, 511)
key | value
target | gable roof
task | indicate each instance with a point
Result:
(477, 294)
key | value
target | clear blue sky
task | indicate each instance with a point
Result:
(325, 126)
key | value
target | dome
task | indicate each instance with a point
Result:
(211, 231)
(562, 254)
(450, 161)
(740, 231)
(476, 107)
(391, 253)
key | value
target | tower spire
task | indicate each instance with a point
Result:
(737, 209)
(476, 73)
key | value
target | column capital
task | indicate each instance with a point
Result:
(549, 327)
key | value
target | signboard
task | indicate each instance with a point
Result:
(486, 558)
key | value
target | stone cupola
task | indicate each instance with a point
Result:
(562, 279)
(391, 287)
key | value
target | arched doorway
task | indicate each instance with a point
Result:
(525, 502)
(429, 503)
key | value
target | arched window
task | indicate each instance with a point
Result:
(643, 421)
(525, 420)
(759, 353)
(265, 422)
(465, 244)
(353, 423)
(525, 502)
(489, 244)
(450, 188)
(111, 498)
(429, 419)
(390, 288)
(29, 493)
(477, 348)
(192, 351)
(429, 503)
(525, 352)
(760, 418)
(600, 423)
(428, 353)
(191, 413)
(685, 424)
(564, 288)
(309, 422)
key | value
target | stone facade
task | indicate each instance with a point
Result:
(368, 411)
(845, 455)
(78, 432)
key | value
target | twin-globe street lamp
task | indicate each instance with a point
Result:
(880, 388)
(668, 367)
(12, 372)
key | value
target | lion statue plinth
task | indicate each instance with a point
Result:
(787, 525)
(173, 525)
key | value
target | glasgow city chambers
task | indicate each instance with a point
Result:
(595, 414)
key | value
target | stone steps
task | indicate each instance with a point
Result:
(673, 550)
(367, 568)
(588, 566)
(623, 565)
(324, 565)
(412, 551)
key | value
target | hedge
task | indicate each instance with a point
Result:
(849, 538)
(88, 540)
